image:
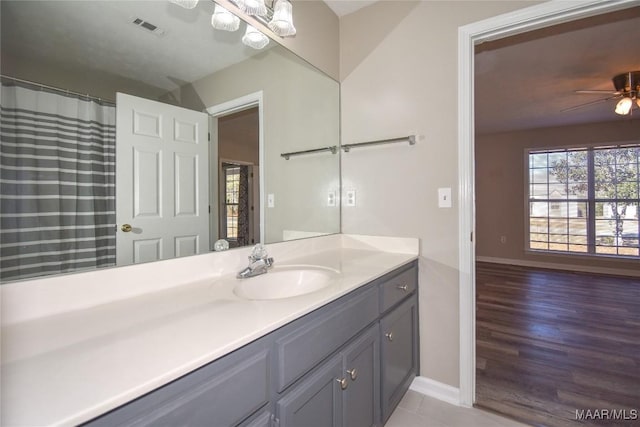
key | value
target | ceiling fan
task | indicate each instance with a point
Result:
(627, 90)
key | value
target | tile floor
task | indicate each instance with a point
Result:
(418, 410)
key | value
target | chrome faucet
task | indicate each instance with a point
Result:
(259, 263)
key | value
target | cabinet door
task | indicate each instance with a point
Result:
(399, 352)
(361, 369)
(316, 401)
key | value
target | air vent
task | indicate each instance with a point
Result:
(148, 26)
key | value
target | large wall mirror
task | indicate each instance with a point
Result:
(133, 131)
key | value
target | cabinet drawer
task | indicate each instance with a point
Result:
(303, 348)
(398, 287)
(227, 391)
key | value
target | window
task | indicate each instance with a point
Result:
(585, 200)
(232, 196)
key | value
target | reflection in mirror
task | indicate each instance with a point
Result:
(134, 131)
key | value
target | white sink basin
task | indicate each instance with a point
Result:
(285, 282)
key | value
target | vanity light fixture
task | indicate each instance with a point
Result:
(253, 7)
(222, 19)
(254, 38)
(187, 4)
(278, 17)
(282, 21)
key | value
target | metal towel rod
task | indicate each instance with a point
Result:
(333, 149)
(411, 139)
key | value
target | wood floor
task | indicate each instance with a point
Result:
(549, 343)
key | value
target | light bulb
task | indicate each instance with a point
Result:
(222, 19)
(624, 106)
(187, 4)
(254, 7)
(254, 38)
(282, 22)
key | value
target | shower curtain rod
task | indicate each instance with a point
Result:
(57, 89)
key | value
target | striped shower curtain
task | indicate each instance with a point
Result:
(57, 183)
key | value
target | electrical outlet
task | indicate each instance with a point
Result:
(351, 198)
(271, 200)
(503, 239)
(331, 198)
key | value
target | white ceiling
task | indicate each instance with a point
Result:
(526, 81)
(99, 35)
(345, 7)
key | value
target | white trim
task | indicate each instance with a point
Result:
(436, 389)
(239, 104)
(527, 19)
(556, 266)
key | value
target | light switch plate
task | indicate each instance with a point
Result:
(444, 197)
(271, 200)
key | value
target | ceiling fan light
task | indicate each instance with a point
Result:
(254, 38)
(254, 7)
(187, 4)
(222, 19)
(624, 106)
(282, 21)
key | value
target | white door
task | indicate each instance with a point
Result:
(161, 181)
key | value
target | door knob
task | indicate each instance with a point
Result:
(126, 228)
(389, 336)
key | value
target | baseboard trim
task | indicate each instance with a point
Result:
(556, 266)
(436, 389)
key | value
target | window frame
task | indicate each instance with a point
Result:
(591, 201)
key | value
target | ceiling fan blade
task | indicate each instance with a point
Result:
(596, 92)
(586, 104)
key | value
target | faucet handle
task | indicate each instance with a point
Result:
(258, 252)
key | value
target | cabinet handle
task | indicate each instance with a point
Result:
(389, 336)
(343, 383)
(403, 288)
(353, 373)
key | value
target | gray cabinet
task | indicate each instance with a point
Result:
(316, 401)
(343, 392)
(224, 393)
(399, 353)
(346, 364)
(361, 370)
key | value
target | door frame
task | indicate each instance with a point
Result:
(523, 20)
(251, 100)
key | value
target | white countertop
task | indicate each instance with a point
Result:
(69, 367)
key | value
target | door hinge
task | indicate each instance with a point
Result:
(209, 208)
(209, 136)
(472, 236)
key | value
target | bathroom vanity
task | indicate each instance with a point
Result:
(197, 354)
(329, 368)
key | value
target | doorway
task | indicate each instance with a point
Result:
(237, 150)
(538, 16)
